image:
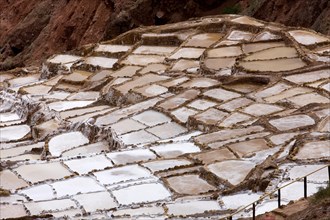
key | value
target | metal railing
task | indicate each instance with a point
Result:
(278, 190)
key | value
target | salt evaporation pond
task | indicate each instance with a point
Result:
(192, 207)
(144, 193)
(63, 58)
(9, 116)
(13, 133)
(66, 141)
(66, 105)
(306, 37)
(273, 65)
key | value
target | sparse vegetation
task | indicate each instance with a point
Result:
(4, 192)
(232, 10)
(322, 194)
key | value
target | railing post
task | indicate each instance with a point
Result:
(305, 187)
(329, 173)
(254, 211)
(279, 198)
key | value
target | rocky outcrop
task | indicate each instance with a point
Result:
(309, 14)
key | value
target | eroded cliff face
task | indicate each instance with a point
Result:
(309, 14)
(32, 31)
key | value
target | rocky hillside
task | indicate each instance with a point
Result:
(31, 31)
(34, 30)
(310, 14)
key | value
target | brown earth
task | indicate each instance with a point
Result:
(310, 14)
(300, 210)
(30, 31)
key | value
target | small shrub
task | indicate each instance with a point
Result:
(4, 192)
(232, 10)
(323, 193)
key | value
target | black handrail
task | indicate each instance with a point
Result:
(278, 190)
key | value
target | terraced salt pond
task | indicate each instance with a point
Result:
(291, 122)
(13, 133)
(9, 116)
(240, 35)
(112, 48)
(77, 76)
(192, 207)
(131, 156)
(273, 53)
(305, 99)
(220, 63)
(175, 149)
(100, 75)
(247, 20)
(183, 64)
(154, 50)
(151, 90)
(306, 37)
(144, 211)
(37, 89)
(63, 58)
(273, 65)
(254, 47)
(154, 67)
(314, 150)
(287, 94)
(261, 109)
(183, 121)
(222, 170)
(203, 40)
(122, 174)
(224, 52)
(140, 193)
(39, 193)
(101, 61)
(40, 172)
(189, 184)
(66, 141)
(67, 105)
(310, 76)
(88, 164)
(10, 181)
(190, 53)
(165, 164)
(143, 60)
(50, 206)
(97, 147)
(12, 211)
(76, 185)
(23, 81)
(89, 201)
(19, 150)
(265, 36)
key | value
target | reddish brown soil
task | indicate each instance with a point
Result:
(31, 31)
(313, 14)
(300, 210)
